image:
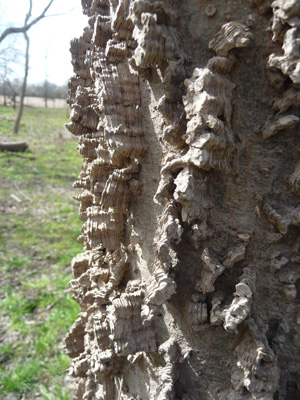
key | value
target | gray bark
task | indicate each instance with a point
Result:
(187, 117)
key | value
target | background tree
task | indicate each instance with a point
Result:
(14, 87)
(28, 23)
(9, 56)
(26, 67)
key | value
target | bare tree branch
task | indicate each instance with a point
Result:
(63, 13)
(27, 25)
(28, 15)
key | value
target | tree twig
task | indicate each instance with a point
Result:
(16, 198)
(22, 193)
(61, 296)
(59, 14)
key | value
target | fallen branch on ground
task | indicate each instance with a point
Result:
(13, 146)
(22, 193)
(16, 198)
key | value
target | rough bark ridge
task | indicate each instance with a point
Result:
(195, 294)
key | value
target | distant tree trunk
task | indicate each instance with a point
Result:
(23, 88)
(187, 114)
(14, 101)
(13, 95)
(4, 95)
(26, 68)
(46, 93)
(4, 87)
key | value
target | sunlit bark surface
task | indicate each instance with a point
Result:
(187, 114)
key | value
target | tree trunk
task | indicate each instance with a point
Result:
(4, 85)
(187, 119)
(26, 68)
(23, 88)
(46, 94)
(14, 100)
(4, 89)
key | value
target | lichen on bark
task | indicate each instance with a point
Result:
(189, 279)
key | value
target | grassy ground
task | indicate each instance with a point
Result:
(38, 231)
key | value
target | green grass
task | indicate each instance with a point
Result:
(37, 243)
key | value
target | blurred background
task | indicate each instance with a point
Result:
(49, 57)
(38, 214)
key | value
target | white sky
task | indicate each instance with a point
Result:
(49, 38)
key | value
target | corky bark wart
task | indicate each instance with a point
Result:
(187, 117)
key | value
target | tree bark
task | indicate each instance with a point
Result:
(187, 116)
